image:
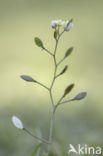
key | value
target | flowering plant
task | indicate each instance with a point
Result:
(59, 28)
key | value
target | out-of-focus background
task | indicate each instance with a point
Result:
(78, 122)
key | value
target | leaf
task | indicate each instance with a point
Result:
(38, 42)
(27, 78)
(68, 52)
(64, 70)
(56, 33)
(36, 149)
(80, 96)
(68, 89)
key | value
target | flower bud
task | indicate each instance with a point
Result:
(17, 122)
(69, 26)
(54, 23)
(59, 22)
(64, 23)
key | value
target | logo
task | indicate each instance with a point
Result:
(84, 149)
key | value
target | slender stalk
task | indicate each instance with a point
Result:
(48, 51)
(60, 61)
(65, 101)
(42, 85)
(40, 139)
(51, 97)
(58, 103)
(54, 73)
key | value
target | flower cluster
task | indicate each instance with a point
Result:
(67, 25)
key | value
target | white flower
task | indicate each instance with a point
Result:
(59, 22)
(64, 23)
(17, 122)
(69, 26)
(66, 26)
(54, 23)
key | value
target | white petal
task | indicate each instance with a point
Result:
(17, 122)
(54, 23)
(70, 26)
(64, 23)
(59, 22)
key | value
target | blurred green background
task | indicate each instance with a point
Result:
(78, 122)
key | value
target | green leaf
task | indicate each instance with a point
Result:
(27, 78)
(68, 52)
(68, 89)
(56, 33)
(36, 149)
(80, 96)
(64, 70)
(38, 42)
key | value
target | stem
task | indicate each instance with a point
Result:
(42, 85)
(58, 103)
(65, 101)
(50, 90)
(40, 139)
(48, 51)
(51, 125)
(51, 97)
(52, 101)
(60, 61)
(56, 46)
(55, 64)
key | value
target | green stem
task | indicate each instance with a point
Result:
(58, 103)
(48, 51)
(40, 139)
(50, 90)
(51, 125)
(52, 101)
(65, 101)
(60, 61)
(42, 85)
